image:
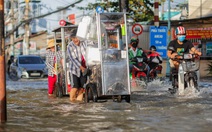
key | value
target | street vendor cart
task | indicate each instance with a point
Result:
(107, 61)
(62, 37)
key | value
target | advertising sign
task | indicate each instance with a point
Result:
(158, 38)
(204, 33)
(209, 49)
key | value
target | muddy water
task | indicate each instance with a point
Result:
(152, 109)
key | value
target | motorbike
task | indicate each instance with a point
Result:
(155, 71)
(13, 75)
(154, 63)
(139, 73)
(187, 74)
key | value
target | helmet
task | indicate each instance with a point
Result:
(153, 48)
(180, 30)
(12, 56)
(134, 40)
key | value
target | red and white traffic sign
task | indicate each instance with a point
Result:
(137, 29)
(62, 22)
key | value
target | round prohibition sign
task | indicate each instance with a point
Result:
(62, 22)
(137, 29)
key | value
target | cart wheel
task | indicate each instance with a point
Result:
(63, 84)
(95, 98)
(113, 98)
(127, 98)
(58, 91)
(13, 76)
(87, 95)
(94, 93)
(119, 98)
(90, 93)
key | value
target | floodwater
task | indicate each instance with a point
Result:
(152, 109)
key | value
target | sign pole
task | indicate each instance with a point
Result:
(27, 30)
(3, 103)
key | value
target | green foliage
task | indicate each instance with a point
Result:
(209, 68)
(139, 10)
(108, 6)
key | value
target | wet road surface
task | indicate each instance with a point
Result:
(152, 109)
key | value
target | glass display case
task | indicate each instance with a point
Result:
(111, 30)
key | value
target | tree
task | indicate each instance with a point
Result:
(139, 10)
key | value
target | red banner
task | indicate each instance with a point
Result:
(198, 34)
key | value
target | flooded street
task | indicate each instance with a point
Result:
(153, 109)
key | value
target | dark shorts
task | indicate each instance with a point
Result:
(78, 82)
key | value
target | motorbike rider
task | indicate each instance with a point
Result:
(179, 46)
(10, 61)
(136, 54)
(154, 59)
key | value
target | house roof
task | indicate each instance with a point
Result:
(172, 14)
(204, 21)
(22, 38)
(68, 27)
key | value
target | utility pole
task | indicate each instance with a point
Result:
(169, 21)
(12, 34)
(200, 8)
(3, 104)
(156, 13)
(27, 32)
(123, 5)
(162, 12)
(169, 36)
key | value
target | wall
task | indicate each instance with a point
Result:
(40, 41)
(143, 38)
(200, 8)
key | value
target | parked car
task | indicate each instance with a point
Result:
(29, 66)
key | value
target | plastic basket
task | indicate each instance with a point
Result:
(191, 65)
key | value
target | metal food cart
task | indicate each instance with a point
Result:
(62, 37)
(107, 61)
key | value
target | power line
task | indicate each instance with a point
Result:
(63, 1)
(41, 16)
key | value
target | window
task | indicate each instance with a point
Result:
(30, 60)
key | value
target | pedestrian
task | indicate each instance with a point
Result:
(54, 64)
(10, 61)
(76, 55)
